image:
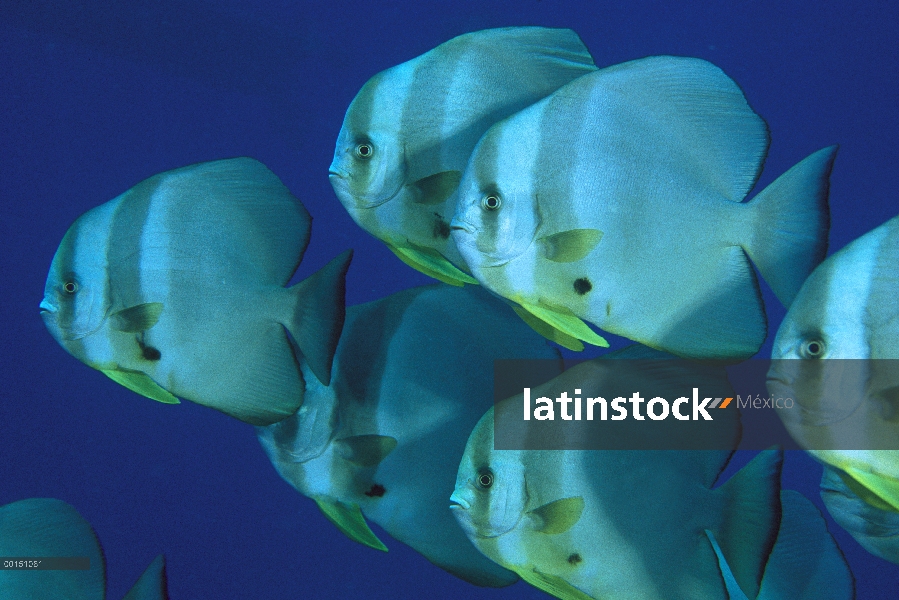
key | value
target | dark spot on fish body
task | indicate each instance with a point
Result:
(575, 559)
(146, 351)
(582, 285)
(441, 227)
(376, 491)
(150, 353)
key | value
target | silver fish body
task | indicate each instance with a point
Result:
(586, 524)
(617, 201)
(176, 289)
(615, 524)
(408, 133)
(412, 375)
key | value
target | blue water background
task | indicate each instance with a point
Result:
(96, 96)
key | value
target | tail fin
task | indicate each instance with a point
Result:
(319, 313)
(751, 519)
(153, 584)
(792, 220)
(806, 563)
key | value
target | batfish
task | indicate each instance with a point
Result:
(175, 289)
(47, 528)
(837, 355)
(609, 524)
(408, 133)
(412, 375)
(617, 201)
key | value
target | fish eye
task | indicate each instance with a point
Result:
(491, 202)
(364, 150)
(70, 287)
(485, 478)
(812, 349)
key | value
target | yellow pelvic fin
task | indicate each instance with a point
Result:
(555, 586)
(548, 331)
(880, 491)
(432, 264)
(560, 515)
(140, 383)
(567, 324)
(348, 519)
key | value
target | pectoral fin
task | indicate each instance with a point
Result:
(348, 519)
(553, 585)
(365, 450)
(137, 318)
(142, 384)
(559, 516)
(548, 331)
(889, 403)
(432, 264)
(436, 188)
(569, 246)
(568, 324)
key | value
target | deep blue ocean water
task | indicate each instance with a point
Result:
(96, 96)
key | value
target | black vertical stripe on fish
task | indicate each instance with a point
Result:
(361, 115)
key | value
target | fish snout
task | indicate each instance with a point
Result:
(352, 196)
(49, 319)
(460, 225)
(779, 381)
(458, 501)
(48, 307)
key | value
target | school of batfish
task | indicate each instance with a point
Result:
(554, 200)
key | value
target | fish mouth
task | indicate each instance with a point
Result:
(460, 225)
(48, 308)
(340, 181)
(778, 380)
(459, 503)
